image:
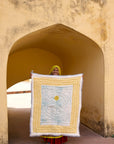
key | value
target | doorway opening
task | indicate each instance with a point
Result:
(75, 53)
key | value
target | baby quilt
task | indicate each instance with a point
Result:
(55, 105)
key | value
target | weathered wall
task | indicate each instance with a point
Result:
(109, 71)
(3, 98)
(86, 16)
(93, 18)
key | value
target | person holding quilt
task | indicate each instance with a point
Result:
(55, 70)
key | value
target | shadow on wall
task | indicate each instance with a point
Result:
(75, 53)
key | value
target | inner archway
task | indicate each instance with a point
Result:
(75, 53)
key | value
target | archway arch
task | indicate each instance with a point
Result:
(75, 53)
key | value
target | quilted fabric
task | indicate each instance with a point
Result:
(56, 105)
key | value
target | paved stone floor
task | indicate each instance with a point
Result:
(19, 131)
(87, 137)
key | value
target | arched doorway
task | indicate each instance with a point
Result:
(75, 53)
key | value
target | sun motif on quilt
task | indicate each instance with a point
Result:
(56, 98)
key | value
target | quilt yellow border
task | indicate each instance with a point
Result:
(72, 128)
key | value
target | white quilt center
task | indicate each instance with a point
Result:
(56, 105)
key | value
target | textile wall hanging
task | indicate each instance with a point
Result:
(56, 105)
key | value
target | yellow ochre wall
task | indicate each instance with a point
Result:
(78, 35)
(21, 63)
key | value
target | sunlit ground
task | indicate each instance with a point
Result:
(22, 100)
